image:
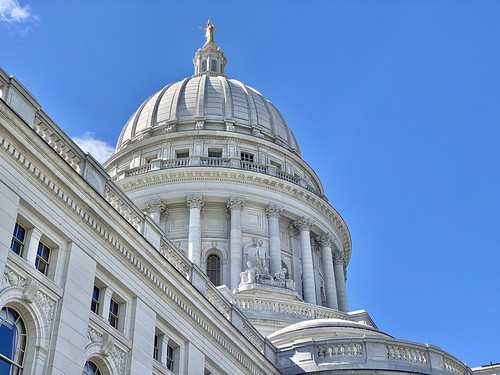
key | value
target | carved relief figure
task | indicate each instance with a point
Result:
(248, 276)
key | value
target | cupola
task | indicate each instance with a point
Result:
(209, 59)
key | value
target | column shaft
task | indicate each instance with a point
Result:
(195, 204)
(235, 204)
(273, 212)
(340, 281)
(308, 285)
(330, 285)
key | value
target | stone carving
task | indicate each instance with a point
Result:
(274, 210)
(108, 348)
(31, 287)
(170, 128)
(229, 126)
(31, 292)
(175, 259)
(249, 275)
(253, 338)
(338, 257)
(303, 223)
(261, 258)
(195, 201)
(10, 278)
(217, 302)
(199, 125)
(156, 206)
(235, 203)
(325, 240)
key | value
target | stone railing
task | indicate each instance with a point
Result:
(372, 352)
(297, 311)
(214, 162)
(406, 353)
(342, 350)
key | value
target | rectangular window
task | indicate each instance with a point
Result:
(113, 313)
(156, 348)
(94, 305)
(182, 154)
(42, 258)
(17, 244)
(245, 156)
(214, 153)
(170, 358)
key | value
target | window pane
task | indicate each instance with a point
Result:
(17, 243)
(12, 340)
(94, 304)
(214, 269)
(91, 368)
(42, 258)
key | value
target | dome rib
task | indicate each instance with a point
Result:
(213, 99)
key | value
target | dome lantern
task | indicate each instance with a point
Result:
(209, 59)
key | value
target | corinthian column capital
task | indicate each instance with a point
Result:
(156, 206)
(303, 223)
(338, 257)
(195, 201)
(274, 210)
(235, 203)
(325, 240)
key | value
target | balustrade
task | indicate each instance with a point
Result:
(404, 353)
(340, 350)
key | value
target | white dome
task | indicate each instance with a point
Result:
(211, 102)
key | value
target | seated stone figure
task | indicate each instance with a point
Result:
(280, 276)
(248, 276)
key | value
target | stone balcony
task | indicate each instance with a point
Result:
(201, 161)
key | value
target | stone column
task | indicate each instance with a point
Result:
(155, 209)
(330, 285)
(234, 205)
(338, 260)
(195, 204)
(273, 212)
(304, 224)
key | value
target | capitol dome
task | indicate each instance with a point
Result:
(208, 100)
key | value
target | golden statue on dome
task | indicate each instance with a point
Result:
(209, 31)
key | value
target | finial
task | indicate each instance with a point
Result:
(209, 31)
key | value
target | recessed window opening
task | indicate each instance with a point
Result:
(214, 153)
(91, 368)
(13, 340)
(214, 269)
(245, 156)
(114, 307)
(94, 304)
(170, 361)
(179, 154)
(204, 66)
(18, 237)
(213, 65)
(42, 258)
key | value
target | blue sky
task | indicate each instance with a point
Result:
(395, 105)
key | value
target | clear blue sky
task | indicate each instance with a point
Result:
(396, 105)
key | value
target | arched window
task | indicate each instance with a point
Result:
(213, 65)
(12, 342)
(213, 269)
(91, 368)
(204, 66)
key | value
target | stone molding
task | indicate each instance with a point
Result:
(338, 257)
(107, 347)
(87, 219)
(274, 210)
(31, 292)
(235, 203)
(156, 206)
(195, 201)
(303, 223)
